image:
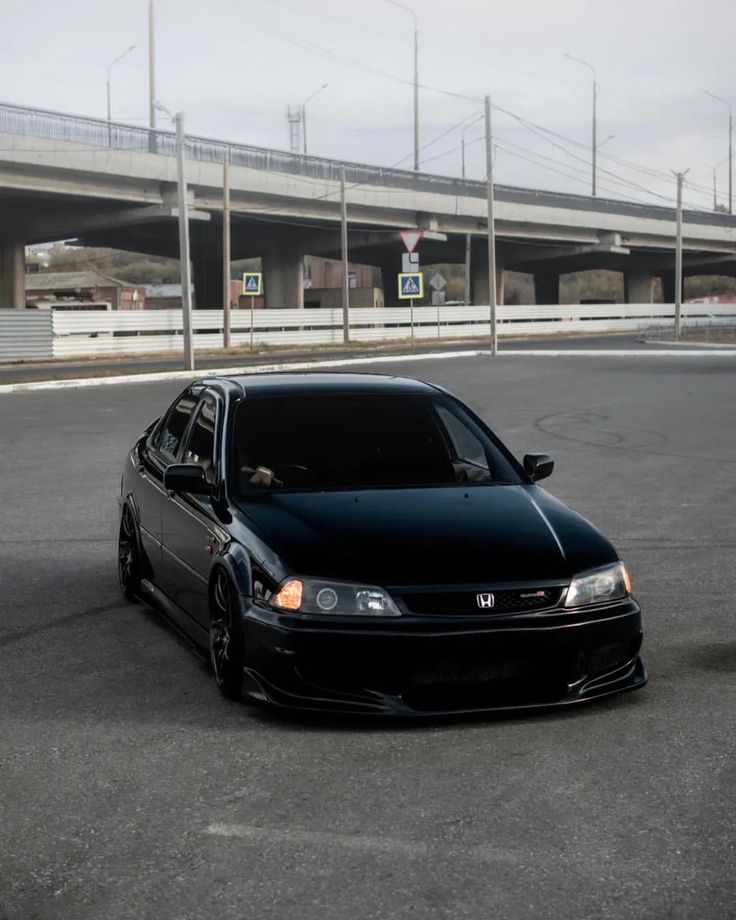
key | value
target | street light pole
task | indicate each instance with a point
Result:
(345, 259)
(185, 258)
(409, 10)
(730, 146)
(184, 248)
(109, 100)
(226, 252)
(304, 115)
(151, 66)
(595, 116)
(491, 227)
(680, 176)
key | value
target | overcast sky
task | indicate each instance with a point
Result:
(234, 65)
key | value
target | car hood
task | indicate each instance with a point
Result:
(423, 536)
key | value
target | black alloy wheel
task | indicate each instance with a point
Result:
(226, 640)
(129, 559)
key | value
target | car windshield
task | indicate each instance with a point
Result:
(362, 441)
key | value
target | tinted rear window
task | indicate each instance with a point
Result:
(361, 441)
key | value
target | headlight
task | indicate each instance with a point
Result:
(601, 586)
(337, 598)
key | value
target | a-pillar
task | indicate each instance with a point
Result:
(12, 274)
(283, 275)
(638, 287)
(547, 287)
(207, 266)
(479, 293)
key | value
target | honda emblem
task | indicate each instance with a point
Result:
(486, 601)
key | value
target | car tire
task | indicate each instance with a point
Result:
(130, 570)
(227, 653)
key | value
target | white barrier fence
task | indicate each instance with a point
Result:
(87, 333)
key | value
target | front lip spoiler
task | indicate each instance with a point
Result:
(631, 676)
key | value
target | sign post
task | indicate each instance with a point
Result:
(411, 287)
(252, 287)
(438, 283)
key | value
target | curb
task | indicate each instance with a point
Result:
(86, 382)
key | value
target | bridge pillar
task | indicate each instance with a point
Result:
(668, 287)
(479, 293)
(12, 274)
(547, 287)
(207, 267)
(390, 270)
(283, 275)
(638, 287)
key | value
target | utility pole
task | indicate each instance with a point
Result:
(467, 235)
(595, 116)
(730, 146)
(152, 144)
(416, 96)
(680, 176)
(184, 253)
(715, 190)
(595, 134)
(226, 318)
(491, 227)
(345, 264)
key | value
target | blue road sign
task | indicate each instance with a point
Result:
(411, 286)
(253, 283)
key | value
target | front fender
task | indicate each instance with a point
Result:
(235, 559)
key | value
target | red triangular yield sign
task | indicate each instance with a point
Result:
(410, 238)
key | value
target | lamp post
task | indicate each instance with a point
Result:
(185, 264)
(151, 66)
(715, 182)
(304, 114)
(468, 238)
(730, 146)
(409, 10)
(109, 100)
(595, 113)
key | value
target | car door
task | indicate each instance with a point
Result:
(155, 454)
(190, 534)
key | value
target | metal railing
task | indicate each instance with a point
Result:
(90, 333)
(77, 129)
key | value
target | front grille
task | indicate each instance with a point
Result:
(465, 603)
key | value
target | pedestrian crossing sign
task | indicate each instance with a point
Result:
(253, 284)
(411, 286)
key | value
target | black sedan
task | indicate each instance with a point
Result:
(364, 543)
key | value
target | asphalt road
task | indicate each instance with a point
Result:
(130, 789)
(108, 367)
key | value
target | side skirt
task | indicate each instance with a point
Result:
(189, 629)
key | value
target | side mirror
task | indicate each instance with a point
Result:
(186, 478)
(538, 466)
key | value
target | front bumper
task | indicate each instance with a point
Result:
(415, 667)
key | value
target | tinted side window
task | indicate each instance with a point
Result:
(467, 446)
(201, 445)
(175, 425)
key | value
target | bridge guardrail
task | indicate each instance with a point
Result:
(22, 120)
(89, 333)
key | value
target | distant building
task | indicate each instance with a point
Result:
(88, 286)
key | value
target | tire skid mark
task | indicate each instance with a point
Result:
(545, 424)
(24, 634)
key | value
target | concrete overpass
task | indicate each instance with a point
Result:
(63, 176)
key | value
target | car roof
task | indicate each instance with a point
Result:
(297, 382)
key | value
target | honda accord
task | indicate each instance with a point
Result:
(364, 543)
